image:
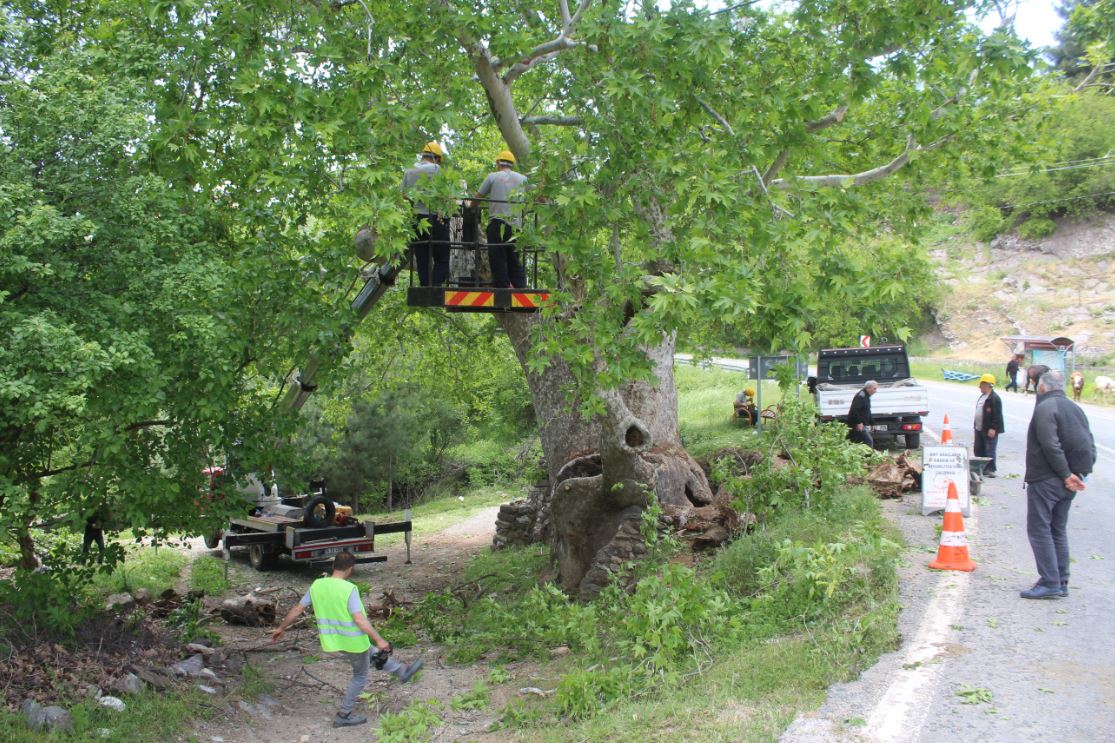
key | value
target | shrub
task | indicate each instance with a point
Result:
(1037, 227)
(986, 222)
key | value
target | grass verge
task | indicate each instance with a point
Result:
(149, 717)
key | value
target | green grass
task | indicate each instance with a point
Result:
(780, 665)
(155, 569)
(705, 398)
(149, 717)
(208, 575)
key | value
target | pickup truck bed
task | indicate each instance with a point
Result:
(905, 397)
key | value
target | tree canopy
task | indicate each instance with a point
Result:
(182, 181)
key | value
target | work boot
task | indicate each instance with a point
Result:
(404, 673)
(349, 721)
(1064, 590)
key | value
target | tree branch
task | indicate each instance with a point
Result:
(835, 117)
(550, 49)
(856, 179)
(552, 120)
(714, 114)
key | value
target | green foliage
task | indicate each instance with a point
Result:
(256, 682)
(155, 569)
(207, 575)
(187, 620)
(498, 675)
(1037, 227)
(670, 622)
(813, 564)
(986, 222)
(412, 725)
(590, 691)
(820, 461)
(474, 700)
(150, 716)
(1066, 169)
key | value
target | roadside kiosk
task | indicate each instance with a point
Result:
(1056, 352)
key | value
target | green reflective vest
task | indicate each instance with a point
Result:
(334, 622)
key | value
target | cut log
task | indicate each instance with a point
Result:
(250, 610)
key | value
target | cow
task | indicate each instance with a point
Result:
(1077, 379)
(1105, 386)
(1033, 374)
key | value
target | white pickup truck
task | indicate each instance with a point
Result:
(897, 407)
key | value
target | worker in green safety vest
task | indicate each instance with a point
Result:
(344, 628)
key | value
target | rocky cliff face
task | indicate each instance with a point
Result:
(1063, 284)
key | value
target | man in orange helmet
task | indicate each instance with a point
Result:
(431, 230)
(504, 218)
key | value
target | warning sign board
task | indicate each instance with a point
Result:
(940, 465)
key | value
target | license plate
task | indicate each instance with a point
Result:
(331, 551)
(881, 428)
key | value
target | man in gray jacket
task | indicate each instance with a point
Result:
(1060, 453)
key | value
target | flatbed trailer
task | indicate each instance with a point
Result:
(268, 536)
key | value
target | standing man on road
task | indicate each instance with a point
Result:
(431, 230)
(1012, 373)
(504, 218)
(988, 423)
(1060, 453)
(343, 627)
(859, 415)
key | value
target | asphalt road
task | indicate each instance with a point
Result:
(977, 662)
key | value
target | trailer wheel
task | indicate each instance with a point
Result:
(319, 512)
(213, 540)
(262, 556)
(913, 440)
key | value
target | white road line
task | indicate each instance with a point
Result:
(902, 710)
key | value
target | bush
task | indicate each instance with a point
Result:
(986, 222)
(1037, 227)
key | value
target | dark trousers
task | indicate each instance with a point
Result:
(861, 437)
(507, 270)
(431, 242)
(985, 446)
(1012, 381)
(1047, 515)
(93, 534)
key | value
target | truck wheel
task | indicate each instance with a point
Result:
(319, 512)
(913, 440)
(213, 541)
(262, 556)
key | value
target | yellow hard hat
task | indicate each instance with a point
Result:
(989, 378)
(506, 155)
(433, 148)
(749, 392)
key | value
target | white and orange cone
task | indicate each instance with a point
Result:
(953, 552)
(946, 431)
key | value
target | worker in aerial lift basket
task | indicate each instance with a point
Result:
(343, 627)
(504, 219)
(431, 230)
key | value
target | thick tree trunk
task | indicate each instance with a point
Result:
(604, 472)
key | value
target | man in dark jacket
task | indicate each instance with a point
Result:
(1060, 453)
(859, 415)
(988, 423)
(1012, 373)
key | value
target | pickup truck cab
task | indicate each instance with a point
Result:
(897, 407)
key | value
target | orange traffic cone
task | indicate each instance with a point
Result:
(953, 552)
(946, 431)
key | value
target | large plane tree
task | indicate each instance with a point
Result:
(732, 172)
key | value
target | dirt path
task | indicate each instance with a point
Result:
(307, 685)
